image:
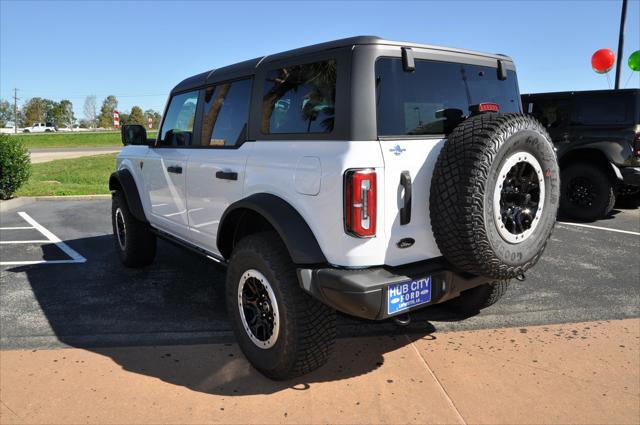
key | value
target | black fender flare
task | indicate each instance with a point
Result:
(124, 179)
(294, 231)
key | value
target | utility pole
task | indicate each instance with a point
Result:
(15, 111)
(623, 17)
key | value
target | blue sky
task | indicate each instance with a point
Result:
(139, 50)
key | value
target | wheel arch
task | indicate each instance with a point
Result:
(265, 211)
(591, 156)
(123, 180)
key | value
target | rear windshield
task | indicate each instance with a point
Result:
(436, 97)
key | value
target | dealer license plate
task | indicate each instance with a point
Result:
(404, 295)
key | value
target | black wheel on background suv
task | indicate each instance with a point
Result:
(587, 192)
(282, 331)
(133, 239)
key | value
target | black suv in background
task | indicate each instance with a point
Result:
(597, 138)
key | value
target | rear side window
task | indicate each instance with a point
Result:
(226, 110)
(601, 110)
(300, 99)
(435, 97)
(177, 128)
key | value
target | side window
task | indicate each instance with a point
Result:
(551, 113)
(300, 99)
(599, 110)
(177, 128)
(226, 111)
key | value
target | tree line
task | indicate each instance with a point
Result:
(61, 113)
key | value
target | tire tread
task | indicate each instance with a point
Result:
(457, 193)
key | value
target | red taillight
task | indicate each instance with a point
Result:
(484, 107)
(636, 141)
(360, 202)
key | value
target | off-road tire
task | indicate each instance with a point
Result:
(307, 327)
(138, 248)
(604, 192)
(475, 299)
(463, 188)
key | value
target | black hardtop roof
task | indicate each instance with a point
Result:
(248, 67)
(581, 92)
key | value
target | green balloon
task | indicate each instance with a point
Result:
(634, 61)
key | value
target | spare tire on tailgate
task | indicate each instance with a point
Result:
(494, 194)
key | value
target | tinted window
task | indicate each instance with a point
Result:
(600, 110)
(551, 113)
(226, 111)
(177, 128)
(300, 99)
(436, 96)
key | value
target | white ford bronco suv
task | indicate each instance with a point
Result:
(362, 175)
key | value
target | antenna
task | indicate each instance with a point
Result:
(15, 111)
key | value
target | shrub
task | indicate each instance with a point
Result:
(15, 165)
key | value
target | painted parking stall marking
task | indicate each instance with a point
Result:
(74, 256)
(589, 226)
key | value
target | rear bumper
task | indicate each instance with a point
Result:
(630, 175)
(363, 292)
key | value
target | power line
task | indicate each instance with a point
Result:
(77, 96)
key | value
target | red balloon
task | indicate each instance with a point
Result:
(602, 60)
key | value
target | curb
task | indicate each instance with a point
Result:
(72, 197)
(25, 200)
(15, 203)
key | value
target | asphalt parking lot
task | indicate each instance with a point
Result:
(81, 296)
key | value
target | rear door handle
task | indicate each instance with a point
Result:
(176, 169)
(227, 175)
(405, 211)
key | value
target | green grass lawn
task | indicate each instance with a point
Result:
(88, 175)
(72, 140)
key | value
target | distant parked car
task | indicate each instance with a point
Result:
(597, 137)
(40, 127)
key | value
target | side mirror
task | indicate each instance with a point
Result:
(133, 134)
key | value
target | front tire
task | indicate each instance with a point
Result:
(133, 239)
(282, 331)
(588, 193)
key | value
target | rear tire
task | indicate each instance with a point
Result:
(588, 193)
(282, 331)
(475, 299)
(133, 239)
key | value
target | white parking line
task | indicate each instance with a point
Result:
(28, 263)
(16, 228)
(51, 238)
(600, 228)
(11, 242)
